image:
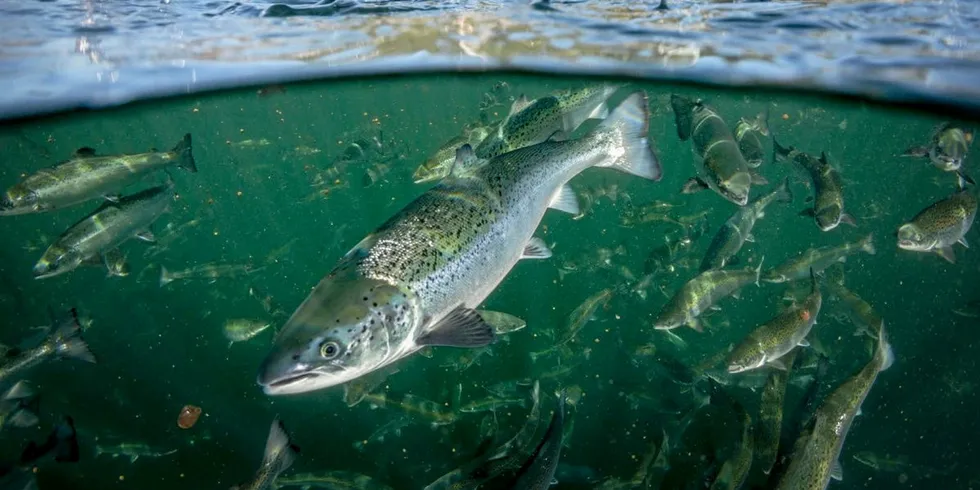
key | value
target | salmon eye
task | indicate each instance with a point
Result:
(329, 350)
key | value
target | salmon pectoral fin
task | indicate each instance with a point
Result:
(463, 327)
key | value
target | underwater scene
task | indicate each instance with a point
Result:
(489, 281)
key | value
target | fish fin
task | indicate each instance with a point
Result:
(947, 253)
(466, 162)
(783, 192)
(736, 295)
(758, 270)
(859, 412)
(837, 471)
(66, 441)
(962, 241)
(84, 152)
(113, 198)
(165, 277)
(779, 151)
(695, 324)
(868, 244)
(463, 327)
(565, 200)
(757, 178)
(778, 364)
(714, 308)
(823, 158)
(572, 120)
(536, 249)
(804, 343)
(185, 159)
(68, 341)
(750, 238)
(629, 125)
(808, 212)
(133, 458)
(683, 115)
(147, 236)
(962, 179)
(504, 322)
(916, 151)
(520, 103)
(848, 219)
(559, 135)
(694, 184)
(280, 452)
(18, 391)
(23, 418)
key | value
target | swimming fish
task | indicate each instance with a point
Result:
(701, 293)
(719, 163)
(828, 204)
(539, 470)
(99, 233)
(937, 227)
(242, 329)
(65, 342)
(947, 150)
(278, 457)
(738, 229)
(747, 134)
(87, 176)
(817, 259)
(416, 280)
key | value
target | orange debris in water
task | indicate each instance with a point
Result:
(785, 117)
(188, 416)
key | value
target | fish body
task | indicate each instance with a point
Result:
(87, 176)
(65, 342)
(738, 229)
(815, 456)
(577, 320)
(828, 202)
(937, 227)
(539, 471)
(210, 272)
(278, 457)
(770, 424)
(701, 293)
(817, 259)
(720, 165)
(860, 312)
(99, 233)
(331, 480)
(749, 134)
(947, 149)
(417, 279)
(490, 404)
(533, 122)
(735, 470)
(132, 451)
(435, 413)
(242, 329)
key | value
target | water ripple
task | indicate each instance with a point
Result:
(60, 54)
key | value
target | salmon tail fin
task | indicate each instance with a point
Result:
(280, 452)
(783, 192)
(885, 348)
(758, 270)
(185, 159)
(779, 151)
(165, 277)
(762, 122)
(67, 340)
(629, 125)
(868, 244)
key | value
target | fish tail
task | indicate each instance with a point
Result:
(165, 277)
(68, 342)
(779, 151)
(762, 122)
(884, 348)
(185, 159)
(962, 179)
(598, 109)
(280, 452)
(868, 244)
(758, 270)
(629, 126)
(783, 193)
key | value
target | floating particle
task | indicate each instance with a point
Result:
(188, 416)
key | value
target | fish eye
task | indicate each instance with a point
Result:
(329, 350)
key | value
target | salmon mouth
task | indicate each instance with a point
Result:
(290, 380)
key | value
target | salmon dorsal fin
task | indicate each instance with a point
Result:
(466, 162)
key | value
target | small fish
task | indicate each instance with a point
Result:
(719, 163)
(747, 134)
(87, 176)
(778, 336)
(356, 390)
(947, 150)
(435, 413)
(115, 263)
(242, 329)
(132, 451)
(491, 404)
(416, 280)
(210, 272)
(771, 414)
(249, 143)
(738, 229)
(702, 293)
(65, 342)
(577, 320)
(102, 231)
(937, 227)
(828, 203)
(392, 427)
(860, 312)
(538, 471)
(278, 457)
(502, 323)
(815, 458)
(817, 259)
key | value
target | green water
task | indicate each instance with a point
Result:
(161, 348)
